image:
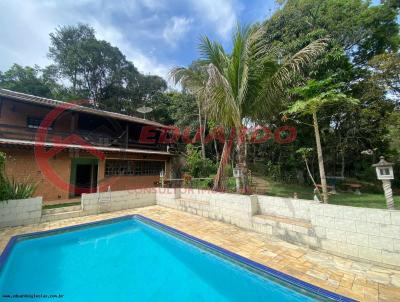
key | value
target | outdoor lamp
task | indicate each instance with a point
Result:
(384, 172)
(237, 172)
(162, 178)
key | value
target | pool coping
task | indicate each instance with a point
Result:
(230, 255)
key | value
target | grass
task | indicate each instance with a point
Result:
(366, 200)
(60, 205)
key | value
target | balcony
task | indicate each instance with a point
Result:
(93, 138)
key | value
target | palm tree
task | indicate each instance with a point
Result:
(248, 83)
(194, 80)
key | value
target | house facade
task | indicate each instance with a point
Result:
(68, 149)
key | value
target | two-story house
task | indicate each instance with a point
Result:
(69, 149)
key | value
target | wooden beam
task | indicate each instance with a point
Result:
(127, 136)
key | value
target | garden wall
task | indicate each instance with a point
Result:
(103, 202)
(368, 234)
(20, 212)
(230, 208)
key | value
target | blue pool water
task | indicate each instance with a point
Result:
(130, 260)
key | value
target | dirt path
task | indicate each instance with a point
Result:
(260, 184)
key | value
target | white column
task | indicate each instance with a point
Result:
(387, 189)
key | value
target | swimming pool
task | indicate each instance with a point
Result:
(134, 258)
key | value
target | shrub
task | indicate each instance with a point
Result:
(11, 189)
(196, 166)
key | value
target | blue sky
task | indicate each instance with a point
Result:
(155, 35)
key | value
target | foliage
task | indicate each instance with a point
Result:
(386, 73)
(244, 84)
(316, 94)
(11, 189)
(196, 166)
(253, 81)
(25, 79)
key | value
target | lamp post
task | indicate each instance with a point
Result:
(237, 173)
(384, 172)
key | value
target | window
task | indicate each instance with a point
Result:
(34, 123)
(385, 171)
(116, 167)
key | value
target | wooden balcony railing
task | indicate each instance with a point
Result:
(93, 138)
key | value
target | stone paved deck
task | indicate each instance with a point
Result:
(360, 281)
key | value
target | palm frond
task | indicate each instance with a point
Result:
(295, 65)
(212, 52)
(222, 104)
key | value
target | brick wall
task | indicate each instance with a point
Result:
(21, 166)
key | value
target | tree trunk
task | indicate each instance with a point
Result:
(201, 131)
(218, 180)
(216, 149)
(241, 147)
(343, 167)
(310, 174)
(320, 159)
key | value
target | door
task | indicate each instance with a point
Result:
(83, 176)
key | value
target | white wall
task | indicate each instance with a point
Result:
(95, 203)
(20, 211)
(231, 208)
(367, 234)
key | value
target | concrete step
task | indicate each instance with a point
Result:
(59, 216)
(286, 228)
(284, 222)
(62, 210)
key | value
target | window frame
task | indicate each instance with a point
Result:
(133, 167)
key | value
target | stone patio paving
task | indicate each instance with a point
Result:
(360, 281)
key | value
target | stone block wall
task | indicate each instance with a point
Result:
(103, 202)
(230, 208)
(20, 212)
(368, 234)
(285, 207)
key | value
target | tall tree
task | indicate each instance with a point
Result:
(25, 79)
(315, 95)
(362, 53)
(194, 80)
(99, 71)
(65, 50)
(247, 82)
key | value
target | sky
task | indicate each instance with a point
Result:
(155, 35)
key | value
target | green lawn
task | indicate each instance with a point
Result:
(366, 200)
(61, 205)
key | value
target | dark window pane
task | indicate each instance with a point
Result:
(115, 167)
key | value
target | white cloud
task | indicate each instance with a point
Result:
(144, 63)
(25, 28)
(220, 12)
(21, 42)
(142, 29)
(176, 29)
